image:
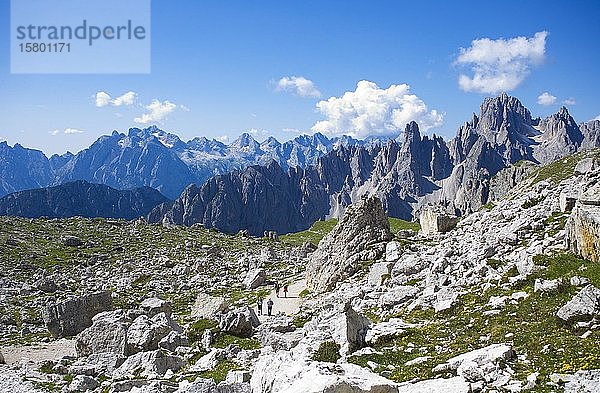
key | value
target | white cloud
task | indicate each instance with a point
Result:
(68, 131)
(370, 110)
(570, 101)
(596, 118)
(546, 99)
(73, 131)
(223, 139)
(184, 108)
(104, 99)
(157, 112)
(502, 64)
(298, 85)
(256, 133)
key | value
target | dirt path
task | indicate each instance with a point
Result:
(289, 305)
(39, 352)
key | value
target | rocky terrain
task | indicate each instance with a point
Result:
(82, 199)
(406, 175)
(506, 298)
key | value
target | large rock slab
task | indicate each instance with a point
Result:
(72, 316)
(208, 307)
(486, 364)
(434, 220)
(107, 334)
(337, 257)
(255, 278)
(583, 226)
(584, 306)
(454, 385)
(152, 364)
(280, 372)
(145, 333)
(239, 322)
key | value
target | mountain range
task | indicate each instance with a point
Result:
(285, 187)
(80, 198)
(152, 157)
(405, 174)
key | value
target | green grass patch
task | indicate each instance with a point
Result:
(329, 351)
(219, 373)
(562, 169)
(397, 225)
(197, 328)
(312, 235)
(223, 340)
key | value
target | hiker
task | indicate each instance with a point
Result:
(285, 290)
(277, 288)
(269, 307)
(259, 305)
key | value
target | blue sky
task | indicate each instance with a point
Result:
(217, 70)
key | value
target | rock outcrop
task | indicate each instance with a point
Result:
(358, 236)
(434, 220)
(239, 322)
(72, 316)
(208, 307)
(280, 372)
(107, 334)
(583, 307)
(560, 137)
(583, 226)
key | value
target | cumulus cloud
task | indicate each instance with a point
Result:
(570, 101)
(502, 64)
(157, 111)
(370, 110)
(104, 99)
(546, 99)
(298, 85)
(223, 139)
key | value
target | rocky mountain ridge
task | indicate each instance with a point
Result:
(406, 174)
(152, 157)
(83, 199)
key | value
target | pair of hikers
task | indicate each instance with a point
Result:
(285, 289)
(259, 304)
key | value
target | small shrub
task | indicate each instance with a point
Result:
(494, 263)
(305, 292)
(329, 351)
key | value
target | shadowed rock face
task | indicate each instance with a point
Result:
(22, 169)
(155, 158)
(83, 199)
(358, 236)
(72, 316)
(266, 198)
(405, 175)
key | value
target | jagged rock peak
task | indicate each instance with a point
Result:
(356, 237)
(503, 111)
